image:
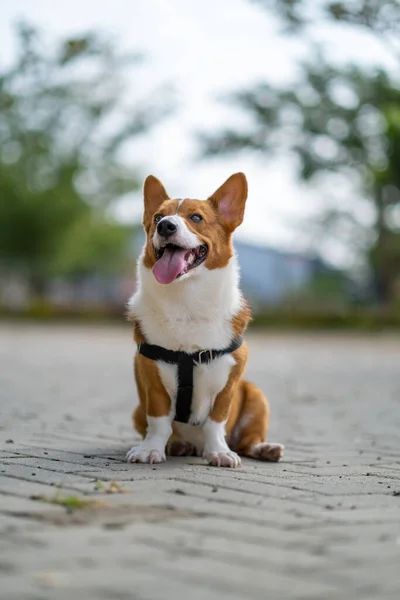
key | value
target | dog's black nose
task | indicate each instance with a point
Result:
(166, 228)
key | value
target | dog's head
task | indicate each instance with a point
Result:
(187, 236)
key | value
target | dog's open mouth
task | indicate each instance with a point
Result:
(174, 261)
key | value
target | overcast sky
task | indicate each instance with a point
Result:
(203, 48)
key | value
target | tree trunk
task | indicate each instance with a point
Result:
(383, 264)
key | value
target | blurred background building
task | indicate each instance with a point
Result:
(302, 95)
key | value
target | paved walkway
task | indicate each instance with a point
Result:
(323, 524)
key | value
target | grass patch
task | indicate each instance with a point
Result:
(73, 503)
(99, 485)
(70, 503)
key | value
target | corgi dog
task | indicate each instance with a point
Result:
(189, 316)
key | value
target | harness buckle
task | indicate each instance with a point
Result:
(210, 355)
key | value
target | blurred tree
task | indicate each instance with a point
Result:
(341, 124)
(379, 17)
(64, 122)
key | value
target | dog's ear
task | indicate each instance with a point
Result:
(229, 200)
(154, 195)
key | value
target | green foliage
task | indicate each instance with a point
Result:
(64, 124)
(380, 17)
(340, 124)
(329, 288)
(93, 244)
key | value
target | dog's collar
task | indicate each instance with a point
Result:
(186, 362)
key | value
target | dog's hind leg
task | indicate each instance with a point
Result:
(176, 447)
(249, 434)
(186, 440)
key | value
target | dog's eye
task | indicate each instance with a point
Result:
(157, 218)
(196, 218)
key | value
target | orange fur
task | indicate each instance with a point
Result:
(153, 396)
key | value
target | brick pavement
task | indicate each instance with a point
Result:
(323, 524)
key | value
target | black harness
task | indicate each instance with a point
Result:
(186, 362)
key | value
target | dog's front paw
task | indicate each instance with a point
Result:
(223, 459)
(139, 454)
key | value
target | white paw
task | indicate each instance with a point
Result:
(145, 455)
(223, 459)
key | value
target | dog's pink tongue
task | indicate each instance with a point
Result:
(170, 265)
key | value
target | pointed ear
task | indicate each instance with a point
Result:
(154, 195)
(230, 199)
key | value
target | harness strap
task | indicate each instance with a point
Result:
(184, 395)
(186, 363)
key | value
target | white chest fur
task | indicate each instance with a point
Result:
(191, 314)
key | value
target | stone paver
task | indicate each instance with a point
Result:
(323, 524)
